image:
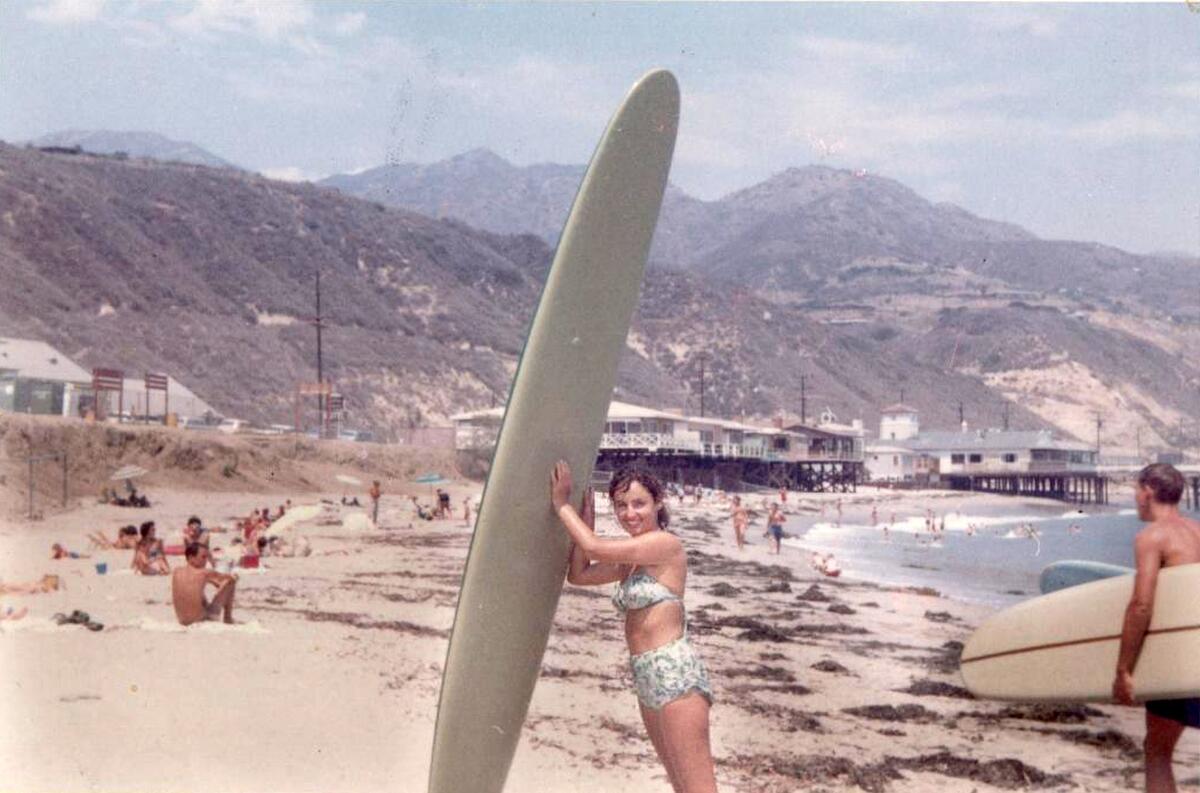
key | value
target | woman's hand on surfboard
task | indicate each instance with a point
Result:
(560, 485)
(587, 508)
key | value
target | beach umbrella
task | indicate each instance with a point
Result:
(293, 516)
(346, 479)
(128, 472)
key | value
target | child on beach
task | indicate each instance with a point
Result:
(59, 552)
(674, 694)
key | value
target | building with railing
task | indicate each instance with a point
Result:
(704, 449)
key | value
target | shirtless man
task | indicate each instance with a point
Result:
(740, 521)
(1170, 539)
(187, 589)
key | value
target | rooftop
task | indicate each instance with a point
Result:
(37, 360)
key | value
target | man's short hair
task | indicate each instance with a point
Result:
(192, 549)
(1164, 481)
(194, 519)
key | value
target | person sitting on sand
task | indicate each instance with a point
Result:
(740, 521)
(187, 589)
(650, 567)
(149, 558)
(59, 552)
(775, 527)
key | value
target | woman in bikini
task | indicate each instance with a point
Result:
(673, 691)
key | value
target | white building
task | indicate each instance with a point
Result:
(36, 378)
(903, 453)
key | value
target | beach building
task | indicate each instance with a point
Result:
(36, 378)
(1009, 461)
(705, 450)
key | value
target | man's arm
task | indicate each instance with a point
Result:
(1138, 613)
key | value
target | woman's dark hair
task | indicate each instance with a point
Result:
(626, 476)
(147, 527)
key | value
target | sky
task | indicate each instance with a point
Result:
(1075, 121)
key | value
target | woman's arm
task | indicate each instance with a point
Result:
(581, 570)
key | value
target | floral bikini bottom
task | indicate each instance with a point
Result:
(666, 673)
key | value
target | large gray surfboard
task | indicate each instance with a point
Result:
(556, 410)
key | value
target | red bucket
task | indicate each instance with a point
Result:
(249, 561)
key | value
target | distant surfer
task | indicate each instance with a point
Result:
(1170, 539)
(674, 694)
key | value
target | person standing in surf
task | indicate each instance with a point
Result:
(1170, 539)
(650, 568)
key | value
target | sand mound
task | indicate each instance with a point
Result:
(188, 459)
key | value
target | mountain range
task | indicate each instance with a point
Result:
(850, 281)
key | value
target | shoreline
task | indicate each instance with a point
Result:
(331, 680)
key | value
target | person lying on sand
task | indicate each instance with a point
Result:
(59, 552)
(187, 589)
(10, 613)
(127, 538)
(47, 583)
(149, 558)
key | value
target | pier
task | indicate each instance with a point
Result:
(735, 472)
(1191, 493)
(1071, 486)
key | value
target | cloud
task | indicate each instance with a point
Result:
(291, 23)
(861, 54)
(66, 12)
(1129, 126)
(349, 24)
(1014, 19)
(289, 173)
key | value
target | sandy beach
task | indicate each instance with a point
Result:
(329, 681)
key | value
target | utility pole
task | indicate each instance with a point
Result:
(803, 400)
(1006, 417)
(320, 371)
(1138, 435)
(701, 385)
(1099, 424)
(961, 415)
(901, 396)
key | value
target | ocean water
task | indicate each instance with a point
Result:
(998, 565)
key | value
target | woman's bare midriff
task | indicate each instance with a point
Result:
(653, 626)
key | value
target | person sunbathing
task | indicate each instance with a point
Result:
(187, 589)
(59, 552)
(127, 538)
(149, 558)
(47, 583)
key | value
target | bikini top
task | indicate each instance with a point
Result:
(641, 590)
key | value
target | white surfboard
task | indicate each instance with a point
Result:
(1063, 647)
(556, 410)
